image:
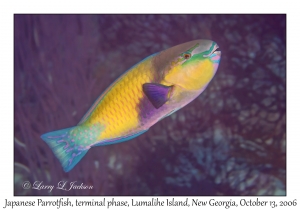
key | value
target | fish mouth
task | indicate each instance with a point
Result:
(216, 50)
(215, 56)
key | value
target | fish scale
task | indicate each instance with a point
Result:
(126, 94)
(151, 90)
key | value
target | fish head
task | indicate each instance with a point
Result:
(191, 65)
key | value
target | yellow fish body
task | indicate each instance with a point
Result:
(154, 88)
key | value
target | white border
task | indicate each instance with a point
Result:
(8, 8)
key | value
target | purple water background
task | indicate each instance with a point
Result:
(229, 141)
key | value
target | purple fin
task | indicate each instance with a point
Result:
(158, 94)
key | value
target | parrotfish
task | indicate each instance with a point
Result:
(149, 91)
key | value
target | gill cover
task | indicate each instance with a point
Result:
(193, 68)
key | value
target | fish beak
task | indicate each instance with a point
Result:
(216, 54)
(216, 49)
(216, 57)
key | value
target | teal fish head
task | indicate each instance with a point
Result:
(191, 65)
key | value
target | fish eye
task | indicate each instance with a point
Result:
(186, 55)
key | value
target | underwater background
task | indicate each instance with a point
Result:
(231, 140)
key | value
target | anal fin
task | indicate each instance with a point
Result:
(118, 140)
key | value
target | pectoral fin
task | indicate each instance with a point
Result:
(157, 94)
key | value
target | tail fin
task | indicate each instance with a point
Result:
(64, 147)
